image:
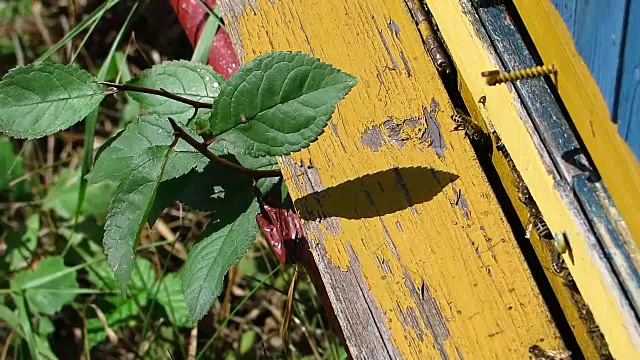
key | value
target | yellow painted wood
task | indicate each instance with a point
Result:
(579, 91)
(502, 109)
(581, 321)
(460, 249)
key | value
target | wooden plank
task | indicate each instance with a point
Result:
(628, 111)
(416, 256)
(587, 108)
(580, 319)
(472, 53)
(597, 27)
(566, 153)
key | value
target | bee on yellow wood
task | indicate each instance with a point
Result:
(540, 226)
(465, 123)
(538, 353)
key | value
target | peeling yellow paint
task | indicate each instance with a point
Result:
(472, 267)
(590, 344)
(471, 58)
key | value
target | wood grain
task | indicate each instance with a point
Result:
(597, 28)
(415, 253)
(614, 160)
(470, 49)
(628, 110)
(567, 155)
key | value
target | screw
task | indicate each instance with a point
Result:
(495, 77)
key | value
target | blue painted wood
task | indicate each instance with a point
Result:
(597, 28)
(613, 239)
(567, 9)
(628, 111)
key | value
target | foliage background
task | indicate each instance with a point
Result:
(69, 305)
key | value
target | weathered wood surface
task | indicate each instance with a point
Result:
(567, 155)
(591, 344)
(597, 27)
(415, 253)
(605, 35)
(472, 52)
(616, 163)
(628, 110)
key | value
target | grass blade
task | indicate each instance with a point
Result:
(203, 47)
(93, 17)
(92, 118)
(232, 313)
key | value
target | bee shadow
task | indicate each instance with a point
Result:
(377, 194)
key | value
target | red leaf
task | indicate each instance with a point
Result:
(193, 16)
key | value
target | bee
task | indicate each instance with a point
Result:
(538, 353)
(463, 122)
(540, 227)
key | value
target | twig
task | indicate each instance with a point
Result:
(204, 150)
(5, 347)
(161, 92)
(193, 343)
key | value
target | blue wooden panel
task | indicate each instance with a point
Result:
(628, 112)
(567, 9)
(597, 28)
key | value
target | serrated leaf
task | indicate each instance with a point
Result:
(129, 209)
(171, 298)
(142, 277)
(62, 197)
(215, 186)
(210, 259)
(190, 80)
(47, 298)
(115, 161)
(278, 103)
(222, 148)
(43, 98)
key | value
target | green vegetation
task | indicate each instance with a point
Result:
(129, 245)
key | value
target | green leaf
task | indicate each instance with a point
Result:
(171, 298)
(215, 186)
(130, 207)
(167, 194)
(210, 259)
(12, 168)
(63, 196)
(43, 98)
(21, 246)
(47, 297)
(118, 160)
(278, 103)
(44, 326)
(190, 80)
(246, 341)
(221, 148)
(10, 317)
(118, 308)
(203, 47)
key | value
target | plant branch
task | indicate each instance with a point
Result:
(160, 92)
(204, 150)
